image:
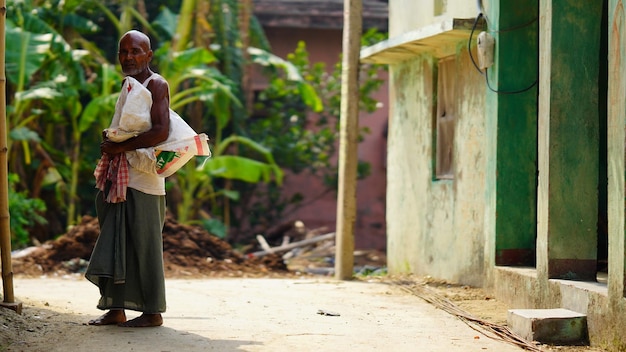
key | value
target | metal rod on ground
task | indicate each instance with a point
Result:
(348, 143)
(5, 227)
(293, 245)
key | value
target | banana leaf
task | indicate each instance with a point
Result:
(244, 169)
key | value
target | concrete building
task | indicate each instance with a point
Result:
(506, 163)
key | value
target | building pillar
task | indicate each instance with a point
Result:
(616, 116)
(568, 144)
(512, 116)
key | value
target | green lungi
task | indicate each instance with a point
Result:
(127, 260)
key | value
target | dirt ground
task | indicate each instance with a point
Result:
(191, 252)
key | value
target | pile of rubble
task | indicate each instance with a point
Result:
(187, 251)
(191, 251)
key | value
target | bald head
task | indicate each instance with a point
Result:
(134, 54)
(139, 37)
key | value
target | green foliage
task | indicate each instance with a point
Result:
(63, 84)
(215, 227)
(303, 133)
(369, 271)
(193, 80)
(286, 123)
(50, 81)
(25, 212)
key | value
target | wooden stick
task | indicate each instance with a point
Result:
(291, 245)
(266, 247)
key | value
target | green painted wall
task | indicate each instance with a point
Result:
(514, 24)
(573, 138)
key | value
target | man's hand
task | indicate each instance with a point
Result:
(109, 147)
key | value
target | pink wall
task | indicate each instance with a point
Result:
(370, 228)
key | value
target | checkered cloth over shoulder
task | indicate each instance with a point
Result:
(114, 171)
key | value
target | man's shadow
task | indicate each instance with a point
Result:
(38, 329)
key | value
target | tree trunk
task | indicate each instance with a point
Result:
(348, 145)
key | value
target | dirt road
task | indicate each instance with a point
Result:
(249, 315)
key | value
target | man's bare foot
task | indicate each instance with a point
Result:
(143, 321)
(114, 316)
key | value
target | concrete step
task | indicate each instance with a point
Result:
(552, 326)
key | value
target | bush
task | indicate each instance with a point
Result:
(25, 213)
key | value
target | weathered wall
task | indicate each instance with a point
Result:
(616, 137)
(409, 15)
(569, 138)
(616, 120)
(521, 288)
(569, 109)
(512, 112)
(435, 227)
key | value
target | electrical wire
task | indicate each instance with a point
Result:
(508, 92)
(514, 28)
(481, 10)
(469, 43)
(485, 72)
(488, 329)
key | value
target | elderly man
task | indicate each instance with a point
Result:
(127, 260)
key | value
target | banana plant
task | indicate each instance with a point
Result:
(27, 53)
(125, 20)
(46, 111)
(191, 68)
(96, 113)
(235, 157)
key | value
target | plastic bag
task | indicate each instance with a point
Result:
(132, 111)
(182, 144)
(172, 156)
(132, 117)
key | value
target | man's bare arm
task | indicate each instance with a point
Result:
(160, 118)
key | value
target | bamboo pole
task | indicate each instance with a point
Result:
(5, 228)
(349, 125)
